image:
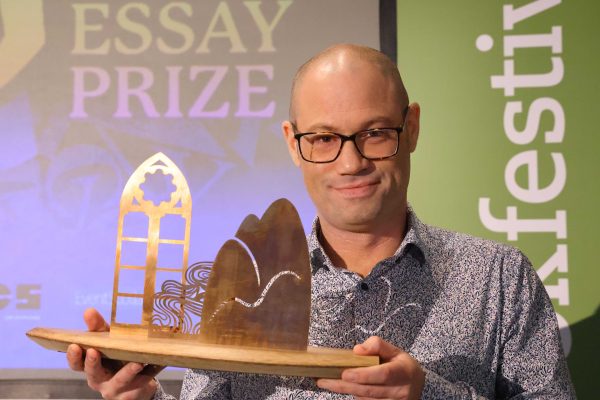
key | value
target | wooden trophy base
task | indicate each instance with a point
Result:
(317, 362)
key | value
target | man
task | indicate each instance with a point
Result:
(450, 316)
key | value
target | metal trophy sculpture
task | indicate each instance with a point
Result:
(249, 311)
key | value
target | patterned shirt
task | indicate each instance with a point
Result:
(473, 313)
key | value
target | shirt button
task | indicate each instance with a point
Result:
(364, 286)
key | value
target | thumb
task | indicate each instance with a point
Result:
(375, 346)
(94, 321)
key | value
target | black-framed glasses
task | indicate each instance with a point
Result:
(325, 147)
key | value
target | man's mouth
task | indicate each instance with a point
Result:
(356, 189)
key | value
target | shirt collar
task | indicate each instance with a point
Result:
(413, 244)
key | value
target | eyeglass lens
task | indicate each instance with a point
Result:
(372, 144)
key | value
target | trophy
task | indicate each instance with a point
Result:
(248, 311)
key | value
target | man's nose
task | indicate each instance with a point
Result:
(350, 161)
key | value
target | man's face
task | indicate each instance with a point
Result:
(353, 193)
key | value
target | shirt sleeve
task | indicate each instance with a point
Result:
(532, 364)
(199, 384)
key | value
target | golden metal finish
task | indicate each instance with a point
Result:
(132, 200)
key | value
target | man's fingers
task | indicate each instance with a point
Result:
(95, 372)
(94, 321)
(112, 365)
(384, 374)
(375, 346)
(75, 357)
(127, 374)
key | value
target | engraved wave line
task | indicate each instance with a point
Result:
(261, 298)
(259, 301)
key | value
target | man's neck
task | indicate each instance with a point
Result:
(359, 251)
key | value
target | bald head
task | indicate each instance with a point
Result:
(343, 58)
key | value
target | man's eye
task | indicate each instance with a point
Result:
(375, 133)
(322, 138)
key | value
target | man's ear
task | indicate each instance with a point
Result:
(411, 125)
(288, 134)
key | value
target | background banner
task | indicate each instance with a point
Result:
(508, 149)
(91, 89)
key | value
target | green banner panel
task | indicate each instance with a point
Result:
(509, 140)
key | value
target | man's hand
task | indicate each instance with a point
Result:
(399, 376)
(114, 380)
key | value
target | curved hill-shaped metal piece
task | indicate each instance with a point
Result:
(261, 299)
